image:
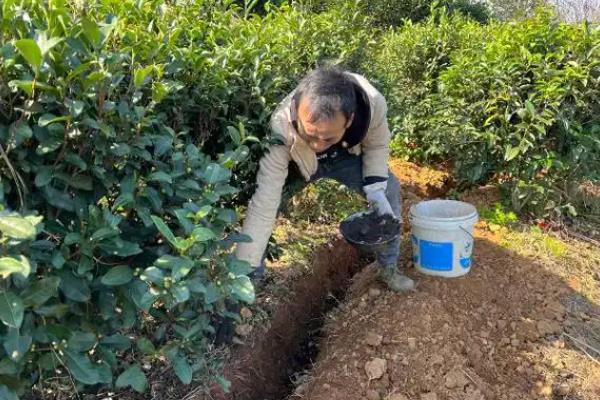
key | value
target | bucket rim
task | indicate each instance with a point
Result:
(472, 215)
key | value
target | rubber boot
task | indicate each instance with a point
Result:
(395, 280)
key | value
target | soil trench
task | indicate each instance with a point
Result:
(265, 367)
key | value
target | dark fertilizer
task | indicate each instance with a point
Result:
(371, 228)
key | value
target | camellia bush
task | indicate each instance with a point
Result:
(516, 103)
(129, 132)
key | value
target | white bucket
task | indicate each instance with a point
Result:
(442, 237)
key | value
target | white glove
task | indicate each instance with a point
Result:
(377, 199)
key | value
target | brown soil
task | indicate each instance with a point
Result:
(422, 182)
(516, 327)
(370, 228)
(260, 368)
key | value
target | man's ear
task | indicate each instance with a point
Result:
(350, 120)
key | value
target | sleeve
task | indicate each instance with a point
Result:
(376, 144)
(262, 209)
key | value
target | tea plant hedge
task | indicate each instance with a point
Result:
(129, 131)
(516, 103)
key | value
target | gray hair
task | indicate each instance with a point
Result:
(328, 91)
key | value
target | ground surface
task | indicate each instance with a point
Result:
(523, 324)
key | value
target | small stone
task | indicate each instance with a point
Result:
(374, 293)
(547, 327)
(412, 343)
(246, 313)
(429, 396)
(542, 389)
(373, 395)
(396, 396)
(301, 389)
(501, 324)
(354, 313)
(375, 368)
(373, 339)
(326, 386)
(563, 389)
(515, 343)
(455, 379)
(243, 329)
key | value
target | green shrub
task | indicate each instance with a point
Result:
(129, 132)
(511, 102)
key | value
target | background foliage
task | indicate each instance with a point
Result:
(130, 133)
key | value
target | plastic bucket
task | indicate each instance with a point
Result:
(442, 237)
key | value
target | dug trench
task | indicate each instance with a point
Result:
(266, 365)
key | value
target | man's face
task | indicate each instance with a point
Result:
(321, 135)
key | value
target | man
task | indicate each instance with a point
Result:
(333, 125)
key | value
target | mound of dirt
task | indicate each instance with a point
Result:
(497, 333)
(420, 181)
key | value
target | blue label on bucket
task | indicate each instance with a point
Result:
(465, 262)
(436, 256)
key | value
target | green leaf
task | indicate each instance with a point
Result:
(22, 131)
(7, 394)
(511, 152)
(103, 233)
(181, 293)
(212, 293)
(180, 266)
(164, 230)
(134, 377)
(140, 75)
(17, 228)
(74, 288)
(11, 309)
(47, 119)
(202, 234)
(227, 215)
(119, 342)
(46, 44)
(160, 176)
(215, 173)
(118, 275)
(16, 346)
(182, 369)
(9, 265)
(8, 367)
(243, 290)
(40, 292)
(81, 341)
(91, 31)
(239, 267)
(30, 50)
(75, 107)
(120, 247)
(141, 295)
(145, 346)
(43, 177)
(81, 367)
(152, 274)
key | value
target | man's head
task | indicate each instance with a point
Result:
(326, 103)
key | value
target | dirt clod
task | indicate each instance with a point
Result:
(373, 395)
(371, 228)
(373, 339)
(455, 379)
(396, 396)
(375, 368)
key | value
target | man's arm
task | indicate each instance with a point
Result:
(262, 210)
(376, 144)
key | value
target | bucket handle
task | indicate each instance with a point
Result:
(467, 232)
